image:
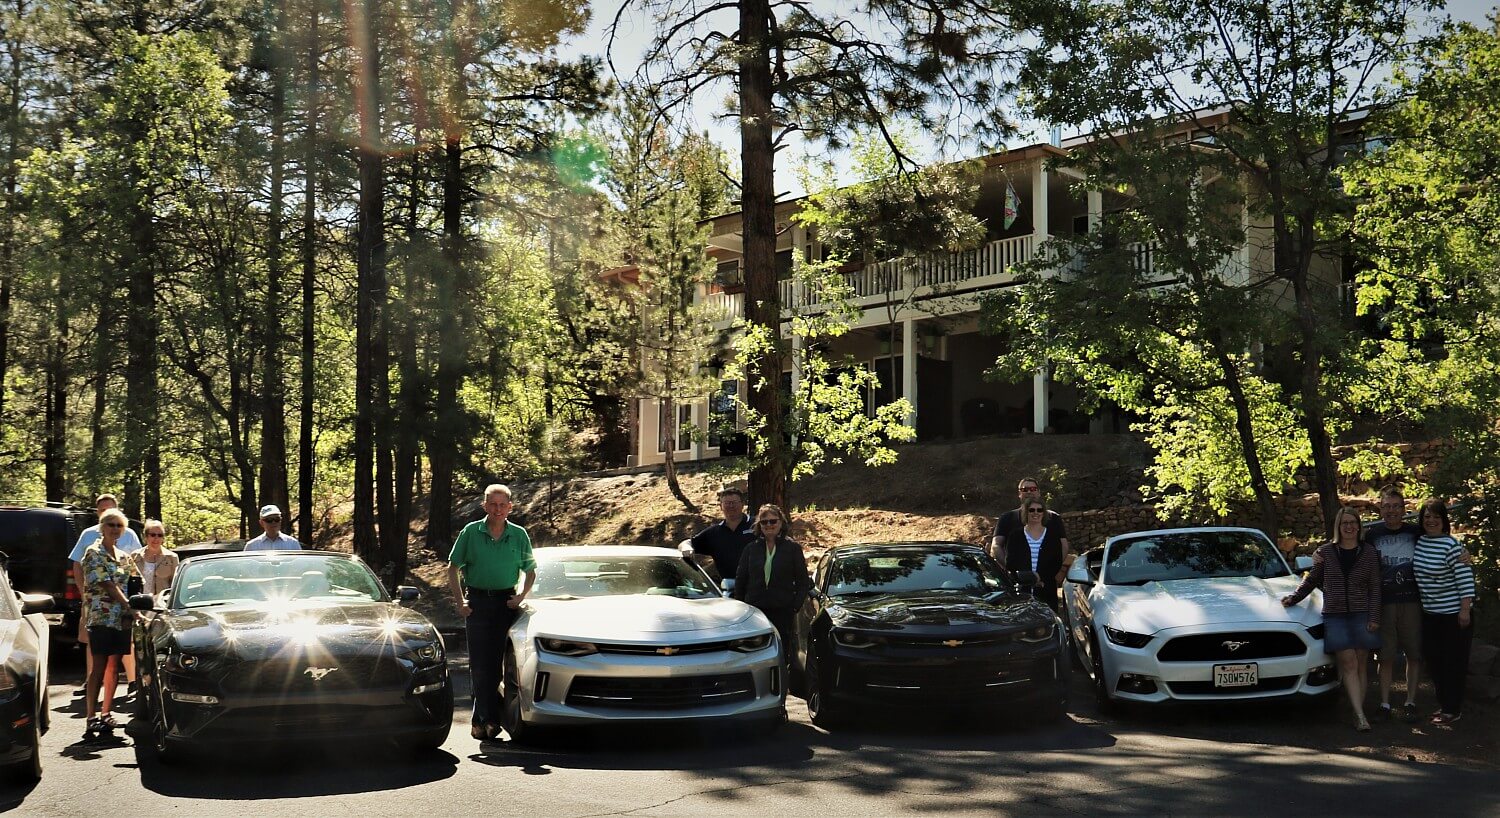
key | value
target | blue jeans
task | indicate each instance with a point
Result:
(489, 622)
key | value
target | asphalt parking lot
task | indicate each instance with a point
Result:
(1282, 760)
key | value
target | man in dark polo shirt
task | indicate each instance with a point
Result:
(1009, 522)
(491, 554)
(725, 539)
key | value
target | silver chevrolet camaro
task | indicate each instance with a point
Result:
(626, 633)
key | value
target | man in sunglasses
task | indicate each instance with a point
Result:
(127, 543)
(1029, 490)
(272, 539)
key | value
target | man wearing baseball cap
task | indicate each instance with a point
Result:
(273, 539)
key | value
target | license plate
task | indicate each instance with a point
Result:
(1247, 675)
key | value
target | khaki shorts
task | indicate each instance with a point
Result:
(1401, 627)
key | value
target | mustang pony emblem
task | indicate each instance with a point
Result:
(668, 650)
(317, 673)
(953, 643)
(1232, 645)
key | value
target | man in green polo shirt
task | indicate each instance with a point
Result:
(491, 554)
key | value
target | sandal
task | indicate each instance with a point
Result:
(1361, 724)
(1446, 718)
(1409, 712)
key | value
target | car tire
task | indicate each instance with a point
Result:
(1106, 703)
(822, 707)
(511, 717)
(29, 769)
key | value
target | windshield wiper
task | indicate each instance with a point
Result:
(206, 604)
(560, 596)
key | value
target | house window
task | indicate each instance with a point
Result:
(727, 274)
(684, 427)
(723, 412)
(783, 264)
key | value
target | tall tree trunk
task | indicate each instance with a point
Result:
(55, 448)
(369, 259)
(8, 229)
(409, 417)
(762, 299)
(306, 462)
(669, 463)
(442, 447)
(273, 485)
(103, 354)
(1265, 503)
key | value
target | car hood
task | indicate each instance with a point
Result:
(637, 616)
(936, 609)
(254, 630)
(1194, 602)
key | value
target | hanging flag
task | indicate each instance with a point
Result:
(1012, 204)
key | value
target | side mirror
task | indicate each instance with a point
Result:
(35, 603)
(142, 602)
(814, 593)
(407, 593)
(1078, 574)
(1303, 564)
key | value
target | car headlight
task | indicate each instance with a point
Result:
(183, 661)
(1126, 638)
(428, 654)
(1316, 631)
(856, 639)
(751, 644)
(566, 647)
(1040, 633)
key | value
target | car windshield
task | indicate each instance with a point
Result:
(902, 571)
(664, 575)
(1196, 555)
(274, 577)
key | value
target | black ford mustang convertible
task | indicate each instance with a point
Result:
(288, 645)
(929, 626)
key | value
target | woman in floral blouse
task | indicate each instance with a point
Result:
(108, 617)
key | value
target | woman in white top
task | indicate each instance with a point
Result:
(154, 563)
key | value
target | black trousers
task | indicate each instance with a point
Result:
(785, 622)
(489, 621)
(1445, 649)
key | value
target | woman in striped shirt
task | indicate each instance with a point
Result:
(1447, 586)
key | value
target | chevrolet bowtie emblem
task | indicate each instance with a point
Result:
(953, 643)
(667, 651)
(1232, 645)
(317, 673)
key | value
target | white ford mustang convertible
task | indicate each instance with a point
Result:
(630, 634)
(1194, 614)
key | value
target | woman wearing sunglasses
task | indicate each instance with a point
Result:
(108, 617)
(1038, 547)
(154, 564)
(772, 575)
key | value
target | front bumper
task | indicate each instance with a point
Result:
(950, 679)
(605, 687)
(1140, 674)
(375, 711)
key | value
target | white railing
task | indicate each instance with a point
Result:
(724, 306)
(938, 271)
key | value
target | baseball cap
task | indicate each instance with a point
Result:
(269, 511)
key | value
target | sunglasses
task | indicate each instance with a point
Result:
(772, 521)
(114, 525)
(1035, 510)
(156, 533)
(271, 519)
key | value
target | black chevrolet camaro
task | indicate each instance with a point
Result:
(288, 645)
(931, 626)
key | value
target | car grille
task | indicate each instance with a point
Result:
(963, 677)
(1212, 647)
(944, 642)
(1266, 685)
(299, 676)
(663, 650)
(661, 694)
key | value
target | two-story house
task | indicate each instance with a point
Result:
(920, 328)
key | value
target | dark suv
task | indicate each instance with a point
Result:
(37, 542)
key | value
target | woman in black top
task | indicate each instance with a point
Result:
(772, 575)
(1048, 555)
